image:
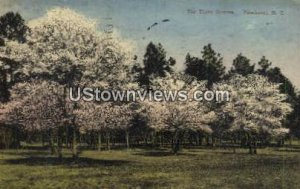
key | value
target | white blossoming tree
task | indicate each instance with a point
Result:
(105, 117)
(37, 107)
(65, 47)
(256, 106)
(178, 115)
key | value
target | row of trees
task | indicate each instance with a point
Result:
(41, 61)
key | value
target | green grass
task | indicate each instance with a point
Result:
(140, 168)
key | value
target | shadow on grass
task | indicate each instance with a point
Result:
(65, 161)
(149, 182)
(39, 148)
(252, 162)
(27, 153)
(162, 153)
(288, 150)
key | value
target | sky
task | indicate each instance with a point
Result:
(193, 24)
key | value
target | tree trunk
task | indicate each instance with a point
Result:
(176, 145)
(153, 138)
(250, 148)
(161, 140)
(5, 141)
(99, 141)
(51, 142)
(67, 137)
(74, 144)
(59, 147)
(108, 140)
(233, 145)
(127, 139)
(207, 140)
(249, 140)
(43, 139)
(146, 139)
(213, 141)
(255, 147)
(197, 139)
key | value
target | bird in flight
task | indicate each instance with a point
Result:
(269, 23)
(164, 20)
(152, 26)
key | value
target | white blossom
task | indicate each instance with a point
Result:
(256, 104)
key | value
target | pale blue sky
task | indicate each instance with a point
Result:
(276, 37)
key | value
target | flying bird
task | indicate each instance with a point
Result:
(152, 26)
(164, 20)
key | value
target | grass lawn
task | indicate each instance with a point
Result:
(140, 168)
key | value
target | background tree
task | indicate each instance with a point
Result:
(195, 67)
(264, 66)
(294, 123)
(155, 63)
(286, 86)
(12, 28)
(241, 65)
(214, 61)
(210, 67)
(274, 74)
